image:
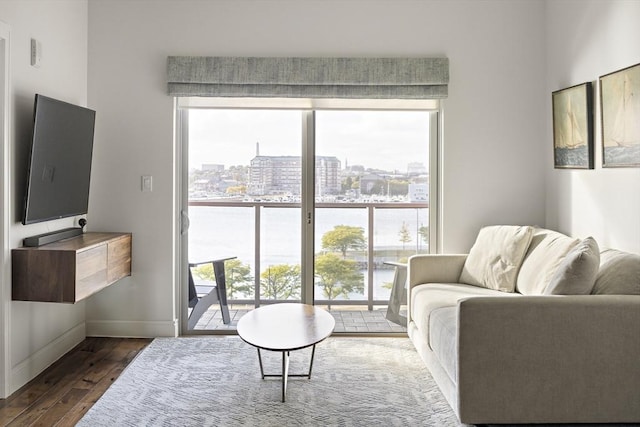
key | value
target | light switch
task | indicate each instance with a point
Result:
(147, 183)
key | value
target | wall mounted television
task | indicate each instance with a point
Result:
(59, 169)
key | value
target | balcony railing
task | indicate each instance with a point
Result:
(371, 259)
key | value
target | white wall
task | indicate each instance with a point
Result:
(587, 39)
(494, 120)
(39, 333)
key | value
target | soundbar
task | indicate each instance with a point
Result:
(54, 236)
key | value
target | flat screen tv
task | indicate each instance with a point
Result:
(60, 161)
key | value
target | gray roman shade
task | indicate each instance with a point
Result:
(341, 78)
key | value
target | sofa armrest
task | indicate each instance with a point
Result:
(549, 359)
(441, 268)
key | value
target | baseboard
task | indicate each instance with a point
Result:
(31, 367)
(132, 329)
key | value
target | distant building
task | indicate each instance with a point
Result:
(212, 167)
(327, 175)
(201, 185)
(355, 169)
(418, 192)
(280, 175)
(416, 168)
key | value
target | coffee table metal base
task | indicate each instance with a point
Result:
(285, 370)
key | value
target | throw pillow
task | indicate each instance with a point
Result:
(547, 250)
(495, 257)
(576, 274)
(619, 273)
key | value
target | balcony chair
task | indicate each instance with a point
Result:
(398, 296)
(202, 296)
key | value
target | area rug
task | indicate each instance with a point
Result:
(215, 381)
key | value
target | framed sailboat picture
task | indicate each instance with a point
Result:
(620, 111)
(573, 127)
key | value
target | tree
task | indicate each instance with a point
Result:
(237, 275)
(282, 281)
(404, 234)
(344, 237)
(237, 189)
(347, 184)
(337, 276)
(398, 187)
(423, 231)
(356, 183)
(378, 187)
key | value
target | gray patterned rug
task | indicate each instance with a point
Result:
(215, 381)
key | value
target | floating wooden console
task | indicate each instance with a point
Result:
(71, 269)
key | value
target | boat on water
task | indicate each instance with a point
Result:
(625, 131)
(569, 135)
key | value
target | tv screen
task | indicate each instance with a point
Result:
(60, 161)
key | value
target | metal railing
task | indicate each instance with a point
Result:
(368, 255)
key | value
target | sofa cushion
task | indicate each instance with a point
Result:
(547, 250)
(443, 339)
(432, 296)
(576, 274)
(495, 257)
(619, 273)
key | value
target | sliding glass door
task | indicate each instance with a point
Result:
(321, 207)
(244, 204)
(371, 212)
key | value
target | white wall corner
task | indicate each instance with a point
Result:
(31, 367)
(132, 329)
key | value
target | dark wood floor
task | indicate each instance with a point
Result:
(63, 393)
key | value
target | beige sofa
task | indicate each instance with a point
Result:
(531, 326)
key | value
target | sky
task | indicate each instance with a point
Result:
(387, 140)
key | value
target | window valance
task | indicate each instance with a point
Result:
(342, 78)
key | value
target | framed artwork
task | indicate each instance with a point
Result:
(573, 127)
(620, 111)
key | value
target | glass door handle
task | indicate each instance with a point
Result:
(184, 222)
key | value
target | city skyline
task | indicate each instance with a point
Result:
(413, 168)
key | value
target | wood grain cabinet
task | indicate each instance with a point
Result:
(70, 270)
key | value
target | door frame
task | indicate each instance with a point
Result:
(307, 222)
(5, 208)
(181, 120)
(181, 290)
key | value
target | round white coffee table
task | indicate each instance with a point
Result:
(284, 328)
